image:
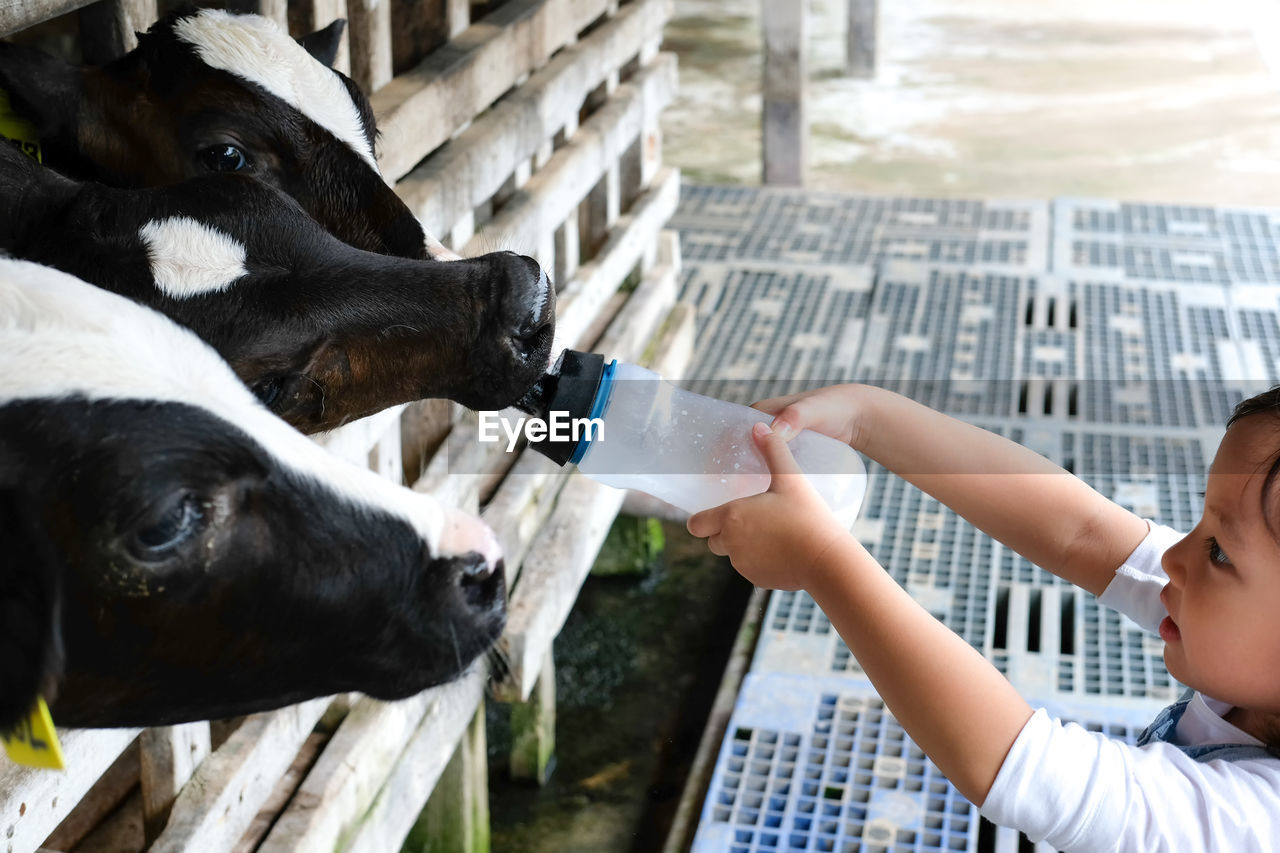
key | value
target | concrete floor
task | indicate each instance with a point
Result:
(1144, 100)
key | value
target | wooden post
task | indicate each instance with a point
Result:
(369, 29)
(533, 728)
(276, 10)
(860, 39)
(568, 251)
(169, 755)
(456, 818)
(785, 120)
(458, 13)
(108, 28)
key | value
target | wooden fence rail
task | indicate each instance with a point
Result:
(534, 127)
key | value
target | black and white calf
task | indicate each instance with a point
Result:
(210, 91)
(169, 550)
(324, 333)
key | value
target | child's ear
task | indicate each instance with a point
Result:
(42, 89)
(323, 44)
(30, 639)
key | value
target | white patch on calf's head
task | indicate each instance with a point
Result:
(60, 337)
(189, 258)
(255, 49)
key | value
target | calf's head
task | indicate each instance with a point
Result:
(210, 91)
(324, 333)
(174, 552)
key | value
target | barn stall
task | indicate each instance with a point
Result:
(525, 124)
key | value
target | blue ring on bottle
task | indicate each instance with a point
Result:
(598, 406)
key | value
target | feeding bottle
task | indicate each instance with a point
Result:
(634, 430)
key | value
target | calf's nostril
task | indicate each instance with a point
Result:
(476, 569)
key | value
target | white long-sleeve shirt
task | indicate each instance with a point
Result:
(1083, 791)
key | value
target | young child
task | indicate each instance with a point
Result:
(1206, 774)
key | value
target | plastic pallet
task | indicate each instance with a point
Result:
(764, 329)
(806, 227)
(945, 337)
(821, 765)
(1183, 244)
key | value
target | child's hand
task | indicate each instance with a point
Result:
(774, 539)
(833, 411)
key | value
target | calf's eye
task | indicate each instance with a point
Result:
(268, 391)
(223, 158)
(171, 526)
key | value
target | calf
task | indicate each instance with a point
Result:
(172, 551)
(210, 91)
(324, 333)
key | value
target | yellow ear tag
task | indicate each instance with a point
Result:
(18, 130)
(34, 741)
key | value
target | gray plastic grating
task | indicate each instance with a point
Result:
(806, 227)
(814, 764)
(1048, 637)
(1197, 245)
(763, 329)
(944, 337)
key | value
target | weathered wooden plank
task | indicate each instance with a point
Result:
(119, 780)
(627, 246)
(558, 563)
(860, 38)
(457, 16)
(289, 782)
(169, 756)
(574, 170)
(476, 164)
(456, 819)
(369, 32)
(420, 109)
(356, 440)
(219, 803)
(347, 775)
(33, 802)
(276, 10)
(388, 820)
(417, 28)
(785, 119)
(108, 28)
(19, 14)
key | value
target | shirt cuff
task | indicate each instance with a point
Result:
(1135, 589)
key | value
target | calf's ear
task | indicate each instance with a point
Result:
(323, 44)
(41, 88)
(30, 641)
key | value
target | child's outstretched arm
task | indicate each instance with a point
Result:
(1011, 493)
(954, 704)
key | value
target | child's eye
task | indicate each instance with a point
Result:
(1216, 555)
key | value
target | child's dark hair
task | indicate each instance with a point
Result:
(1266, 403)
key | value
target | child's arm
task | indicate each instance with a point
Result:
(954, 704)
(1011, 493)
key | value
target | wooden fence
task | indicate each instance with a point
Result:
(524, 124)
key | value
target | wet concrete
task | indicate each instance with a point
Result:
(1139, 100)
(637, 666)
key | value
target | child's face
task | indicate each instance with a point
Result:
(1223, 597)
